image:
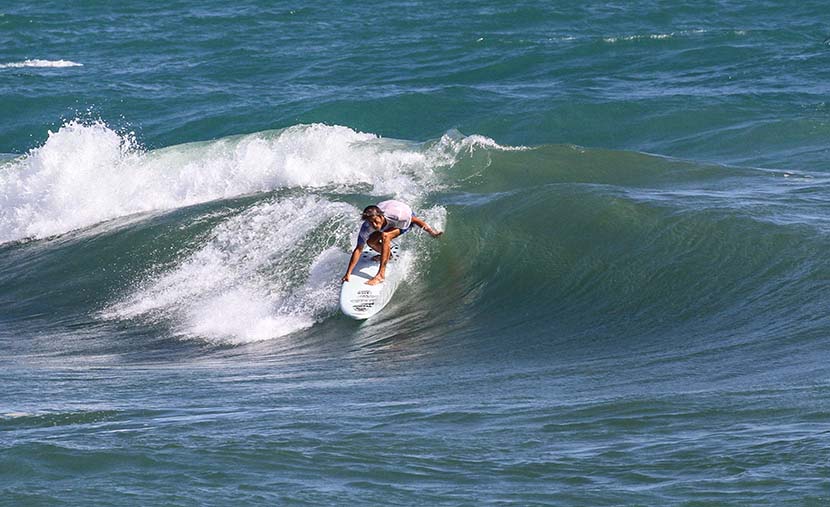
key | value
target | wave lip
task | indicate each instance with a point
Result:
(38, 63)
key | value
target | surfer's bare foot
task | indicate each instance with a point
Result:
(376, 280)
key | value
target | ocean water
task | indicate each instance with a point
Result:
(629, 305)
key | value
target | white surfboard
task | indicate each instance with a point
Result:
(360, 301)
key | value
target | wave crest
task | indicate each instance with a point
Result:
(86, 173)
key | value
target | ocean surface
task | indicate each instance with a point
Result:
(630, 304)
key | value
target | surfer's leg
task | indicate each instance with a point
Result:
(386, 244)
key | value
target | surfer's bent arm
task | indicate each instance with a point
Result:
(425, 226)
(353, 261)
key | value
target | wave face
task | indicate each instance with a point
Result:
(571, 244)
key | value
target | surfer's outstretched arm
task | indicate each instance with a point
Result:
(425, 226)
(353, 262)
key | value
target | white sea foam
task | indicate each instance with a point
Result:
(453, 144)
(41, 63)
(15, 415)
(250, 282)
(655, 36)
(87, 173)
(652, 36)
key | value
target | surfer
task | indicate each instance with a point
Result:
(382, 224)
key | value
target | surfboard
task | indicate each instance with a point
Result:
(360, 301)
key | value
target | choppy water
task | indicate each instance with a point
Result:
(629, 305)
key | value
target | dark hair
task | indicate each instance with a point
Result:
(371, 211)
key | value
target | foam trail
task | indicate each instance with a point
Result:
(87, 173)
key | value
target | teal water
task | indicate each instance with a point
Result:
(629, 305)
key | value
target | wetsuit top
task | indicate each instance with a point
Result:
(398, 216)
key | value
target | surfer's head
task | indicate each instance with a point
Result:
(374, 216)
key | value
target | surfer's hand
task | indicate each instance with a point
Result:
(432, 232)
(345, 278)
